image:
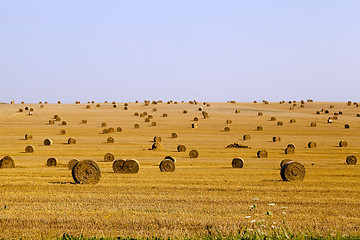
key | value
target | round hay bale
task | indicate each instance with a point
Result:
(59, 102)
(52, 162)
(20, 110)
(289, 150)
(228, 121)
(126, 108)
(47, 142)
(77, 102)
(312, 145)
(226, 129)
(313, 124)
(118, 166)
(109, 157)
(332, 106)
(126, 104)
(154, 109)
(103, 124)
(329, 120)
(28, 136)
(237, 111)
(147, 119)
(72, 163)
(26, 108)
(157, 139)
(260, 114)
(262, 154)
(174, 135)
(273, 119)
(64, 123)
(153, 124)
(293, 120)
(84, 121)
(326, 111)
(105, 131)
(292, 171)
(145, 113)
(131, 166)
(51, 122)
(88, 106)
(29, 149)
(115, 106)
(136, 114)
(170, 158)
(347, 126)
(7, 162)
(276, 139)
(113, 102)
(343, 144)
(185, 111)
(237, 162)
(194, 125)
(63, 131)
(291, 145)
(71, 140)
(98, 105)
(119, 129)
(167, 165)
(86, 172)
(110, 140)
(200, 109)
(317, 112)
(193, 154)
(280, 123)
(196, 119)
(31, 109)
(156, 146)
(283, 162)
(246, 137)
(259, 128)
(165, 115)
(181, 148)
(57, 119)
(136, 125)
(111, 130)
(335, 117)
(150, 116)
(351, 160)
(141, 115)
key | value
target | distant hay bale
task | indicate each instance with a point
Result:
(329, 120)
(63, 131)
(12, 102)
(51, 122)
(273, 119)
(293, 120)
(335, 117)
(291, 145)
(26, 108)
(185, 111)
(111, 130)
(147, 119)
(200, 109)
(340, 112)
(237, 162)
(358, 115)
(150, 116)
(86, 172)
(98, 105)
(115, 106)
(30, 113)
(226, 129)
(113, 102)
(7, 162)
(237, 111)
(266, 102)
(88, 106)
(136, 125)
(262, 154)
(292, 171)
(28, 136)
(194, 125)
(57, 118)
(154, 109)
(47, 142)
(84, 121)
(29, 149)
(276, 139)
(142, 115)
(283, 162)
(254, 101)
(131, 166)
(317, 112)
(351, 160)
(156, 146)
(170, 158)
(193, 154)
(52, 162)
(59, 102)
(167, 165)
(246, 137)
(153, 124)
(331, 106)
(31, 109)
(205, 114)
(119, 129)
(20, 110)
(41, 106)
(259, 128)
(105, 131)
(77, 102)
(71, 140)
(157, 139)
(136, 114)
(280, 123)
(174, 135)
(145, 113)
(126, 108)
(126, 104)
(228, 121)
(289, 150)
(110, 140)
(347, 126)
(343, 144)
(165, 115)
(103, 124)
(312, 145)
(260, 113)
(109, 157)
(302, 105)
(302, 102)
(196, 119)
(72, 163)
(313, 124)
(326, 111)
(349, 103)
(335, 113)
(64, 123)
(181, 148)
(105, 101)
(118, 166)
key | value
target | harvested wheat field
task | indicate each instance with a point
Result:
(203, 194)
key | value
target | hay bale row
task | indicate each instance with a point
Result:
(126, 166)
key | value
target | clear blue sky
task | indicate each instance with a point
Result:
(180, 50)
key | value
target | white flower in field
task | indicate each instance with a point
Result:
(284, 208)
(274, 223)
(252, 221)
(284, 213)
(272, 226)
(247, 217)
(250, 229)
(256, 199)
(271, 204)
(262, 225)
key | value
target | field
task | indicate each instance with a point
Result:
(203, 195)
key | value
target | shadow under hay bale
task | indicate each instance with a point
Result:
(292, 171)
(167, 165)
(237, 162)
(86, 172)
(7, 162)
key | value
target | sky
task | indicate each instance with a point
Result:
(201, 50)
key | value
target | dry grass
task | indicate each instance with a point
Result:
(206, 192)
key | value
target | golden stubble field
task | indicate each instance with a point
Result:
(203, 194)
